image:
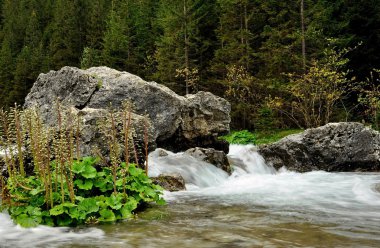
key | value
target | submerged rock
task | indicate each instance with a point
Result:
(171, 182)
(212, 156)
(178, 122)
(333, 147)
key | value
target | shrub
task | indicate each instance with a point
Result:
(243, 137)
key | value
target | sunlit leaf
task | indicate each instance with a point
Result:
(84, 184)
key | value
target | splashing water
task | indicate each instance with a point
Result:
(194, 171)
(12, 235)
(351, 201)
(247, 158)
(255, 206)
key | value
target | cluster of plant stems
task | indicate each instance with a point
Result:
(35, 152)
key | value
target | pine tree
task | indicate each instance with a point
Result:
(30, 60)
(95, 28)
(118, 38)
(180, 46)
(234, 36)
(143, 14)
(67, 39)
(6, 68)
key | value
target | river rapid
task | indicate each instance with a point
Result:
(254, 207)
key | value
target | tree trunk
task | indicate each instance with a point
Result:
(186, 47)
(303, 35)
(246, 36)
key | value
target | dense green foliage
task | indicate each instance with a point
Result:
(48, 182)
(271, 136)
(245, 137)
(243, 50)
(95, 200)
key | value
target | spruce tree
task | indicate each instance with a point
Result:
(66, 42)
(234, 35)
(180, 47)
(118, 38)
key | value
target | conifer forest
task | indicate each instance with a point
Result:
(282, 64)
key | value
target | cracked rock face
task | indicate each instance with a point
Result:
(333, 147)
(179, 122)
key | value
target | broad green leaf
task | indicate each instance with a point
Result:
(103, 184)
(69, 205)
(101, 174)
(89, 172)
(114, 201)
(33, 211)
(28, 221)
(79, 198)
(78, 167)
(133, 171)
(125, 213)
(119, 182)
(150, 192)
(131, 204)
(56, 197)
(88, 205)
(76, 214)
(57, 210)
(84, 184)
(17, 210)
(100, 182)
(107, 215)
(89, 160)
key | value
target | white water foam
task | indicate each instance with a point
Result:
(349, 199)
(12, 235)
(249, 160)
(195, 172)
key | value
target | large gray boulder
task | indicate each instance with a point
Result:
(333, 147)
(178, 122)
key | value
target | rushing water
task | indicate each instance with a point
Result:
(254, 207)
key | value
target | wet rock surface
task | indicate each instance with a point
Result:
(171, 182)
(334, 147)
(212, 156)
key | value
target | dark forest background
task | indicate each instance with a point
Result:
(269, 58)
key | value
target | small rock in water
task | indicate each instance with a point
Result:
(212, 156)
(161, 152)
(171, 182)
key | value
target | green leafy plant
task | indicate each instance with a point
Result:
(95, 199)
(63, 189)
(243, 137)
